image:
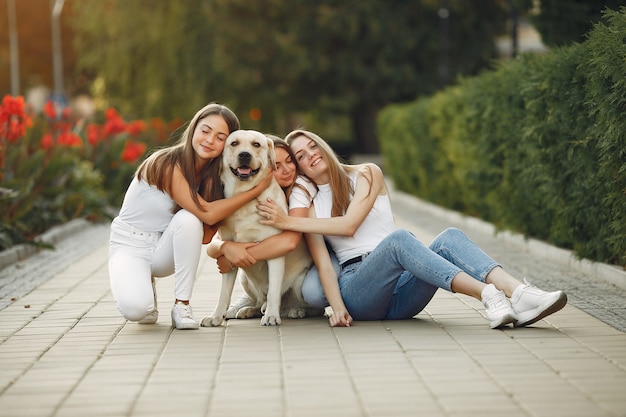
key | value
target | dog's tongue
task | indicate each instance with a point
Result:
(244, 170)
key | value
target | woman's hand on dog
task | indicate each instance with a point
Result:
(236, 253)
(223, 265)
(272, 215)
(265, 182)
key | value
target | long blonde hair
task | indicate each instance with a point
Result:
(157, 169)
(339, 173)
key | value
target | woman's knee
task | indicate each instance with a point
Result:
(185, 220)
(135, 310)
(451, 234)
(312, 290)
(401, 235)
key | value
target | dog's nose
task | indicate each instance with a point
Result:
(245, 158)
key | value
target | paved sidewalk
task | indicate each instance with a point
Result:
(65, 350)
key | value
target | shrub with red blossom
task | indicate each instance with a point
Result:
(133, 151)
(57, 166)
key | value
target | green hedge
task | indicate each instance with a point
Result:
(537, 145)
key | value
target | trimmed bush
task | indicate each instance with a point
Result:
(537, 145)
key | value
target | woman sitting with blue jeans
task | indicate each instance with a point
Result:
(387, 273)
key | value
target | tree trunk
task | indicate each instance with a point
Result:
(364, 128)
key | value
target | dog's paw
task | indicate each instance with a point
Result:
(248, 313)
(296, 313)
(269, 320)
(211, 321)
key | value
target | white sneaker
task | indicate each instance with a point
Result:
(497, 307)
(532, 304)
(182, 317)
(153, 316)
(243, 308)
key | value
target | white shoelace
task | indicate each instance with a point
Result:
(496, 300)
(183, 310)
(532, 289)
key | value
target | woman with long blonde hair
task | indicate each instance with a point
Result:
(387, 273)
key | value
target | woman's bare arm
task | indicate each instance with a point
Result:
(246, 254)
(329, 280)
(367, 190)
(214, 211)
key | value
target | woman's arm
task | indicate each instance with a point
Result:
(246, 254)
(217, 249)
(208, 231)
(367, 190)
(329, 280)
(214, 211)
(280, 244)
(230, 254)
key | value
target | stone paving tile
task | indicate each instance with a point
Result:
(65, 351)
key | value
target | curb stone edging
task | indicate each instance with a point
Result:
(608, 273)
(54, 235)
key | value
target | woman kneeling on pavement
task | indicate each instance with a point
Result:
(164, 219)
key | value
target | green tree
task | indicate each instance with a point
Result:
(351, 58)
(147, 58)
(562, 22)
(286, 57)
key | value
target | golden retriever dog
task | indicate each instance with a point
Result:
(246, 157)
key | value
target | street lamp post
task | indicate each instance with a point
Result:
(57, 53)
(13, 47)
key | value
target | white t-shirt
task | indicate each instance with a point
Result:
(146, 207)
(375, 227)
(302, 193)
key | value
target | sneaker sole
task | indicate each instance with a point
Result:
(154, 317)
(551, 309)
(190, 326)
(504, 320)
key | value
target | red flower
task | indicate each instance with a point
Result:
(62, 127)
(71, 140)
(13, 118)
(66, 113)
(133, 151)
(47, 142)
(50, 110)
(114, 123)
(93, 134)
(12, 130)
(13, 106)
(135, 128)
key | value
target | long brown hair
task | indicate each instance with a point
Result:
(157, 169)
(280, 143)
(339, 173)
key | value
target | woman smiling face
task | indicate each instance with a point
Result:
(310, 159)
(285, 173)
(209, 137)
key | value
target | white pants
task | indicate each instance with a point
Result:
(135, 257)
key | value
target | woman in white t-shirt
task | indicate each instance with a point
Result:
(300, 192)
(387, 273)
(170, 208)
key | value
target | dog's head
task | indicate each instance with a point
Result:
(246, 154)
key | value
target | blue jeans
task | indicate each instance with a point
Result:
(312, 291)
(399, 278)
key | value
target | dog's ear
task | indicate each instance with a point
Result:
(271, 153)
